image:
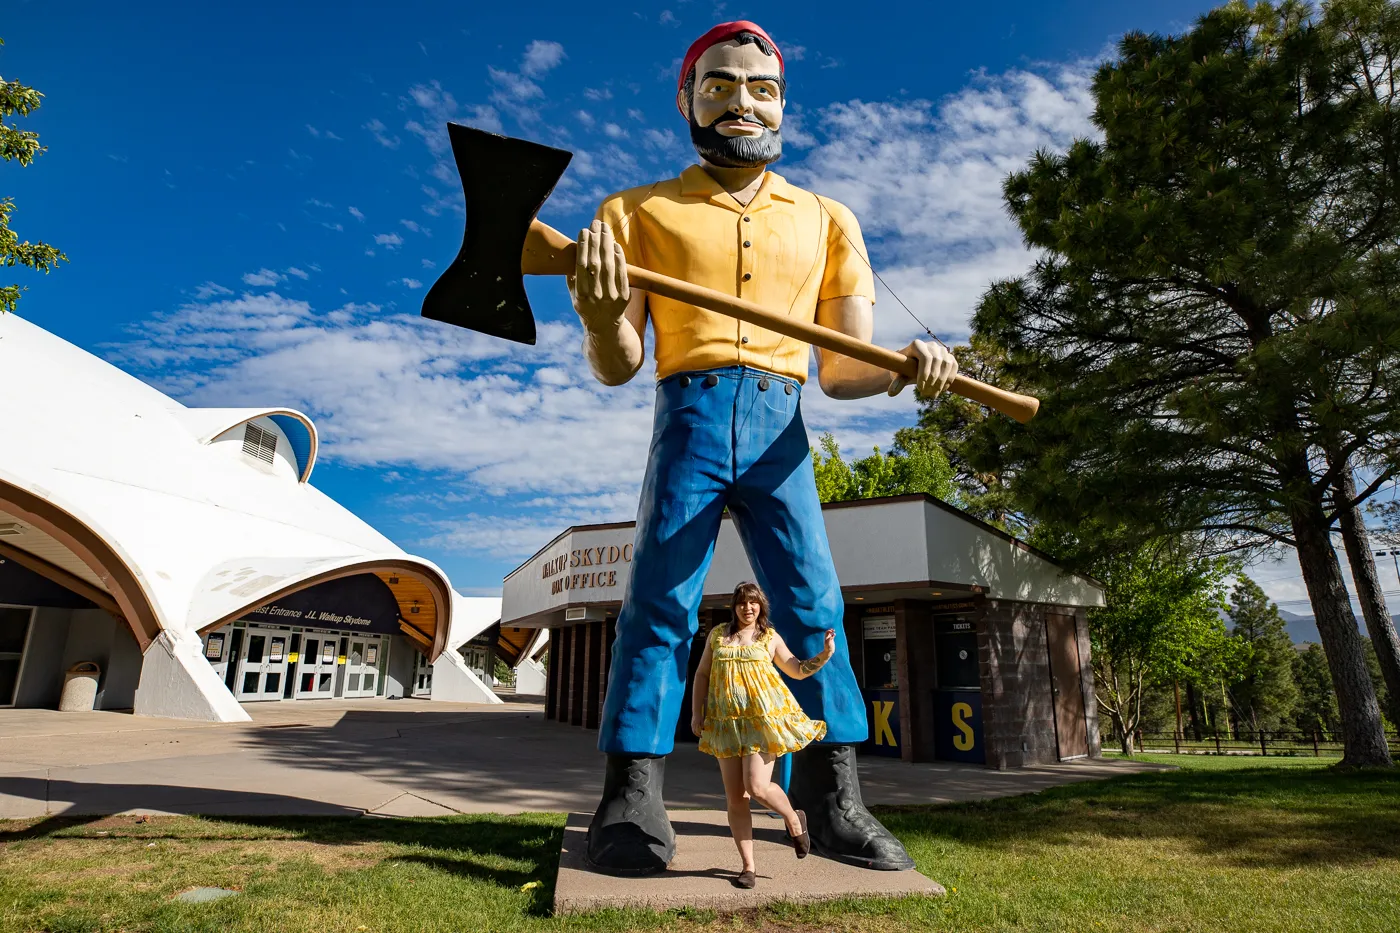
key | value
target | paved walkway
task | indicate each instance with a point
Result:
(392, 758)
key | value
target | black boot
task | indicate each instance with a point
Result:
(825, 784)
(630, 833)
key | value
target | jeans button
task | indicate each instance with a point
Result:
(684, 381)
(711, 381)
(763, 385)
(787, 388)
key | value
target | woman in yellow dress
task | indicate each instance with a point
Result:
(746, 717)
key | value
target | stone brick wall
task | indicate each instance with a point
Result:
(1018, 709)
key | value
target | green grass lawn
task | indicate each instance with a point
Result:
(1223, 844)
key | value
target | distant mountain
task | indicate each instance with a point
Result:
(1304, 628)
(1300, 628)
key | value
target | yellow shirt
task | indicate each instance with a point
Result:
(782, 251)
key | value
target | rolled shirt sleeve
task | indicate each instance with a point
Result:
(847, 270)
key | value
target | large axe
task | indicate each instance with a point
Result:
(506, 181)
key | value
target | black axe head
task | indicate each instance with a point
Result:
(505, 182)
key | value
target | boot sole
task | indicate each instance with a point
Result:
(861, 861)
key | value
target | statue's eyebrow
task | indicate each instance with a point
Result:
(722, 75)
(755, 78)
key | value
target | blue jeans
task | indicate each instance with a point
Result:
(739, 443)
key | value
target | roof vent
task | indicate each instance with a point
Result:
(259, 444)
(11, 529)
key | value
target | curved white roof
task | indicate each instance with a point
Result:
(140, 471)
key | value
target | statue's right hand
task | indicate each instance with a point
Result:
(697, 725)
(599, 283)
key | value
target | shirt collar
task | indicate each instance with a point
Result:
(696, 183)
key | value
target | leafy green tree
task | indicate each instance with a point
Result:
(1264, 696)
(916, 466)
(1161, 622)
(19, 146)
(1317, 701)
(1213, 325)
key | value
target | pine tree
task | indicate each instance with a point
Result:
(1213, 326)
(1317, 701)
(1264, 696)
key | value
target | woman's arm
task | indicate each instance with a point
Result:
(701, 691)
(800, 670)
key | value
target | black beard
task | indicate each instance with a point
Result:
(735, 151)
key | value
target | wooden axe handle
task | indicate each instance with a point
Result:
(549, 252)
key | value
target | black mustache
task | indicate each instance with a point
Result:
(727, 118)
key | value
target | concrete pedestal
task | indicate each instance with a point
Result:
(707, 862)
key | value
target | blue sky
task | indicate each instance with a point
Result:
(255, 198)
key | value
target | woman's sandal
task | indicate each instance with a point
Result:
(746, 879)
(802, 843)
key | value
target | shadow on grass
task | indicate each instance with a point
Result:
(502, 851)
(1251, 817)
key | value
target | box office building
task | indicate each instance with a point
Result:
(183, 553)
(969, 644)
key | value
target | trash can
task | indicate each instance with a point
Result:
(80, 687)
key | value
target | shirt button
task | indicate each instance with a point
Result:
(747, 276)
(743, 340)
(747, 218)
(747, 244)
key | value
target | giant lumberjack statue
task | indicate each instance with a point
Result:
(729, 434)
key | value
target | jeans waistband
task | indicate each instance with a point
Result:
(732, 372)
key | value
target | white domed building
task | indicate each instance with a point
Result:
(184, 552)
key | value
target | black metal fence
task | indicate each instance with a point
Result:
(1290, 743)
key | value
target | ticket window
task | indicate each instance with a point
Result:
(881, 653)
(955, 642)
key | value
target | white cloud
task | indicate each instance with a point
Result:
(299, 273)
(613, 131)
(210, 290)
(381, 134)
(593, 93)
(411, 283)
(416, 227)
(356, 213)
(667, 18)
(262, 278)
(541, 57)
(925, 181)
(390, 240)
(314, 202)
(338, 228)
(429, 264)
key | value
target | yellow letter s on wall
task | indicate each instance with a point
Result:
(966, 740)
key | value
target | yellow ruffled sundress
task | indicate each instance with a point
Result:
(749, 710)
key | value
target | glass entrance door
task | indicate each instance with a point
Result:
(262, 669)
(422, 675)
(14, 634)
(362, 660)
(316, 666)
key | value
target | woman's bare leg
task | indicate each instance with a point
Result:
(758, 781)
(737, 802)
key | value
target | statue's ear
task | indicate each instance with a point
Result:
(682, 104)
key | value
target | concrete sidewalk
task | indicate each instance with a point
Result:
(391, 758)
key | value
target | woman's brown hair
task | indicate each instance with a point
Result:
(747, 593)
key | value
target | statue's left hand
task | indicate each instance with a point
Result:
(937, 367)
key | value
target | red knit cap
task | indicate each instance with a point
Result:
(721, 33)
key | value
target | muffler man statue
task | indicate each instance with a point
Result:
(729, 434)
